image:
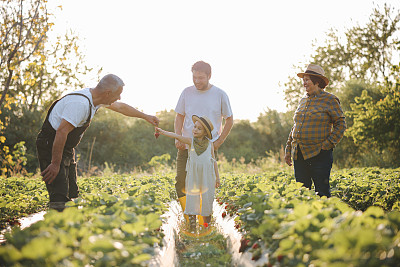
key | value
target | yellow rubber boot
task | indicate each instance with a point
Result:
(199, 217)
(182, 201)
(200, 220)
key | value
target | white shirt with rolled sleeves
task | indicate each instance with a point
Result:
(213, 104)
(73, 108)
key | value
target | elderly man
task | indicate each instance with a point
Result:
(205, 100)
(65, 123)
(319, 125)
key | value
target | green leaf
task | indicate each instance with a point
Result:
(39, 248)
(141, 258)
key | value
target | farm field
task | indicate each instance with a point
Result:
(117, 221)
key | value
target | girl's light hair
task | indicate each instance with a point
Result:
(110, 82)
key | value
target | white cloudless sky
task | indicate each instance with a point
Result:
(251, 45)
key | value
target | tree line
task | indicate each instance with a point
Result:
(361, 65)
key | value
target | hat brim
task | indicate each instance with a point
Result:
(301, 75)
(197, 118)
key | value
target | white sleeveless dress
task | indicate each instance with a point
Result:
(200, 182)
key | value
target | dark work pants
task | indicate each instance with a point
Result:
(64, 187)
(316, 169)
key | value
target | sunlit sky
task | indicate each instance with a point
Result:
(251, 45)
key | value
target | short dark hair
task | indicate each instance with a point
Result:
(321, 83)
(203, 67)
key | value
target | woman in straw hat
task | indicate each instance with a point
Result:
(202, 171)
(319, 125)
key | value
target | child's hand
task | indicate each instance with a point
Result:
(217, 183)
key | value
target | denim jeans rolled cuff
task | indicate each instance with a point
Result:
(316, 169)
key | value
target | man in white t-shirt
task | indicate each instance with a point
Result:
(205, 100)
(65, 123)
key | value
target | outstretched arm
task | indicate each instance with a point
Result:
(130, 111)
(178, 125)
(185, 140)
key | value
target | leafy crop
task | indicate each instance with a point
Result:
(365, 187)
(116, 222)
(300, 229)
(20, 197)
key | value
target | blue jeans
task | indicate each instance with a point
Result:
(316, 169)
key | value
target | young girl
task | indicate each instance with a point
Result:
(202, 171)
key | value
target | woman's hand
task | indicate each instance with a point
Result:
(217, 183)
(288, 159)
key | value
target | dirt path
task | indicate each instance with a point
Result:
(218, 246)
(24, 223)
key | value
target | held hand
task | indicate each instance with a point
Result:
(179, 145)
(288, 159)
(156, 132)
(50, 173)
(217, 183)
(153, 120)
(217, 143)
(159, 130)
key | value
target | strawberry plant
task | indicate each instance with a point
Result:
(20, 197)
(115, 222)
(299, 229)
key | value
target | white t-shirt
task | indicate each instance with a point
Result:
(73, 108)
(213, 104)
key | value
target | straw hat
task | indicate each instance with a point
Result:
(207, 124)
(314, 70)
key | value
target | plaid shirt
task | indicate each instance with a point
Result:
(319, 123)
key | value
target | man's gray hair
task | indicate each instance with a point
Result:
(110, 81)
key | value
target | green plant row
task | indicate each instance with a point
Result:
(298, 228)
(115, 222)
(117, 218)
(365, 187)
(20, 197)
